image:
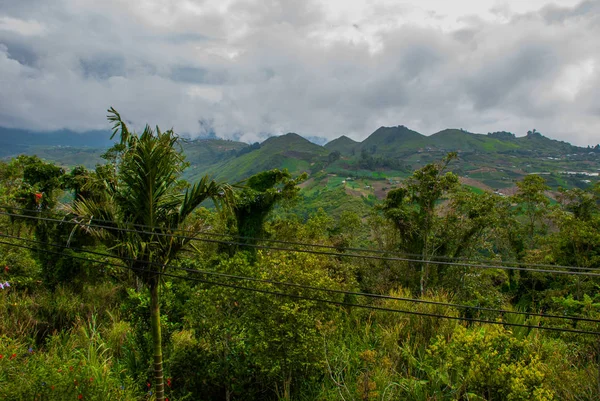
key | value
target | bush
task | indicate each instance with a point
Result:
(73, 365)
(487, 363)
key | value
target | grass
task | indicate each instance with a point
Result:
(475, 190)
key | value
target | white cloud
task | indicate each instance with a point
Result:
(22, 27)
(249, 68)
(574, 78)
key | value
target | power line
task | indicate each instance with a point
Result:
(400, 255)
(386, 297)
(303, 286)
(328, 301)
(336, 254)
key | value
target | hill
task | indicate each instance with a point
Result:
(462, 141)
(289, 151)
(204, 154)
(343, 144)
(538, 143)
(393, 141)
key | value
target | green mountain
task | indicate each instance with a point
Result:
(462, 141)
(400, 141)
(289, 151)
(387, 141)
(493, 161)
(205, 154)
(343, 144)
(393, 141)
(537, 143)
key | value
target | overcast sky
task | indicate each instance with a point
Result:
(249, 68)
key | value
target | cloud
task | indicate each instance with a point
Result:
(251, 68)
(22, 27)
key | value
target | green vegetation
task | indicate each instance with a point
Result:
(122, 286)
(143, 191)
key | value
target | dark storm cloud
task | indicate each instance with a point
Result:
(102, 67)
(21, 52)
(509, 73)
(585, 9)
(249, 67)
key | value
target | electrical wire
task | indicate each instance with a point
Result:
(324, 246)
(336, 254)
(319, 289)
(303, 286)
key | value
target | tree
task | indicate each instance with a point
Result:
(575, 243)
(533, 204)
(40, 183)
(144, 209)
(34, 187)
(411, 209)
(257, 199)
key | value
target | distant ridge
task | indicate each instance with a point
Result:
(388, 150)
(14, 140)
(387, 141)
(463, 141)
(399, 141)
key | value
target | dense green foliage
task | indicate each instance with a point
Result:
(79, 325)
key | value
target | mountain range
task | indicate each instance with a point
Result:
(364, 170)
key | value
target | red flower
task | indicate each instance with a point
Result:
(91, 379)
(148, 384)
(13, 356)
(169, 382)
(1, 356)
(80, 396)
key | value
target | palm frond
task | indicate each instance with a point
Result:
(118, 125)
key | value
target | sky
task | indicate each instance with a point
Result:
(248, 69)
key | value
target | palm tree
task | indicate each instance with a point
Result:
(142, 206)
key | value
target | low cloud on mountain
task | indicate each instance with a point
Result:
(247, 68)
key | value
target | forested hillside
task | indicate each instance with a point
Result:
(127, 282)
